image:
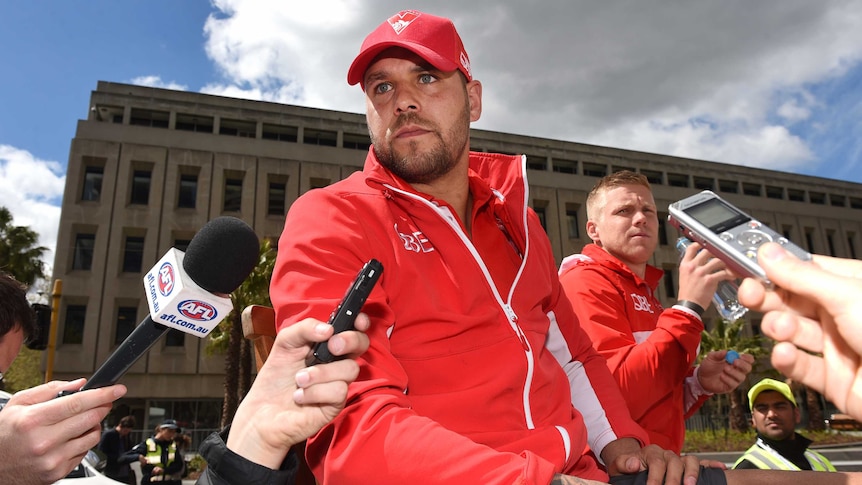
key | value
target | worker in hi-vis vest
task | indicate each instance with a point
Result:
(158, 455)
(778, 447)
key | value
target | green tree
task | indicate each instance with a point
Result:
(726, 335)
(19, 254)
(227, 338)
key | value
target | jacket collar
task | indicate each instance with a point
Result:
(599, 255)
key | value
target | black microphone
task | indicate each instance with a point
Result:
(190, 296)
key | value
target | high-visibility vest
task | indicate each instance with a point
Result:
(154, 453)
(766, 458)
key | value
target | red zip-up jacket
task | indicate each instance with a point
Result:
(649, 350)
(467, 380)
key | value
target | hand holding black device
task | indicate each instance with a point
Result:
(345, 313)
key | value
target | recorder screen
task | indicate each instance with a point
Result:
(716, 215)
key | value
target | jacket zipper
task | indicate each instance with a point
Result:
(450, 219)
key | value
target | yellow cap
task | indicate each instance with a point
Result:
(770, 385)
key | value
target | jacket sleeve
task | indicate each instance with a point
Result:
(593, 391)
(645, 371)
(224, 467)
(377, 436)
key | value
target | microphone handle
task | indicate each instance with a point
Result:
(136, 345)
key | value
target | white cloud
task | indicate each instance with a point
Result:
(31, 189)
(596, 72)
(156, 82)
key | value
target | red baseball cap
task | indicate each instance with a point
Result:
(428, 36)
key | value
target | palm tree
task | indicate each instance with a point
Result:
(19, 255)
(227, 337)
(728, 335)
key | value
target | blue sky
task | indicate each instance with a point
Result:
(772, 84)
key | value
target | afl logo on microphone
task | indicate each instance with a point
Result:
(197, 310)
(166, 279)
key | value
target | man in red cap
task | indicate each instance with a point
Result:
(478, 371)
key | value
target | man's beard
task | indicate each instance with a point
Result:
(422, 168)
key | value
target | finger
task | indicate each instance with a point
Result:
(787, 327)
(799, 366)
(331, 393)
(341, 370)
(44, 392)
(804, 278)
(349, 343)
(840, 266)
(301, 334)
(713, 464)
(691, 470)
(664, 467)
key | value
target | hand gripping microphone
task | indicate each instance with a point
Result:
(187, 291)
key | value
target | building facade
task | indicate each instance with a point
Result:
(149, 167)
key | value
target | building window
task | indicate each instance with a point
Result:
(793, 194)
(280, 133)
(536, 162)
(620, 168)
(751, 189)
(93, 177)
(572, 224)
(133, 255)
(830, 242)
(669, 284)
(175, 338)
(540, 211)
(773, 192)
(127, 319)
(182, 244)
(817, 198)
(786, 231)
(201, 124)
(654, 177)
(662, 229)
(729, 186)
(146, 117)
(242, 129)
(232, 195)
(188, 192)
(677, 179)
(320, 137)
(83, 257)
(141, 187)
(855, 203)
(837, 200)
(704, 183)
(565, 166)
(318, 183)
(73, 328)
(595, 169)
(809, 240)
(357, 142)
(276, 197)
(851, 244)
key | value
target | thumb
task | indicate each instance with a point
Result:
(628, 464)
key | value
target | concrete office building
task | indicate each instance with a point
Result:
(148, 167)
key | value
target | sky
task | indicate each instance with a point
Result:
(774, 84)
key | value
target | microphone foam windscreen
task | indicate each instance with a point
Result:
(222, 254)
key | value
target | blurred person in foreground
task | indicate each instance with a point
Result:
(651, 351)
(287, 403)
(774, 414)
(815, 314)
(42, 438)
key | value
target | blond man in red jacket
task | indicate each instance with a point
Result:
(650, 350)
